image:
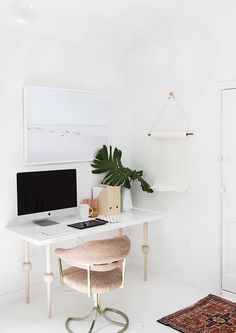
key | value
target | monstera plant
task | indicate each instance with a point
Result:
(109, 161)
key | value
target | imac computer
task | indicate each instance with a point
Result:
(42, 195)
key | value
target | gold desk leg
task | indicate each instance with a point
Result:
(120, 232)
(48, 278)
(26, 267)
(145, 249)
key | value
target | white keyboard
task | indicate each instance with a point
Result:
(56, 231)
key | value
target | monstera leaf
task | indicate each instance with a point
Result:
(109, 162)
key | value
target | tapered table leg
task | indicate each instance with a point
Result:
(26, 267)
(48, 278)
(145, 249)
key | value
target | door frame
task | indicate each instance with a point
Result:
(220, 86)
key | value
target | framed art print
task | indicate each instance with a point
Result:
(63, 125)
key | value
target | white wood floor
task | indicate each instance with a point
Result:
(143, 302)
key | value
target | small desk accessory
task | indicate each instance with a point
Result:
(87, 224)
(93, 203)
(110, 218)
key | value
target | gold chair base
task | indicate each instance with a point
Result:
(103, 312)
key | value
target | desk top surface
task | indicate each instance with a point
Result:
(36, 234)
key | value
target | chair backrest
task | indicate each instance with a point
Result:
(104, 254)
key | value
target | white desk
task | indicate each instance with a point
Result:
(35, 234)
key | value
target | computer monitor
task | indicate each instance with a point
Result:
(44, 194)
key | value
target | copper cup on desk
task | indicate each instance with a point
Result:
(92, 203)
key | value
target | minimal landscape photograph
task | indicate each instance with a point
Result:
(64, 125)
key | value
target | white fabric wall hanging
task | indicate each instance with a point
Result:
(172, 148)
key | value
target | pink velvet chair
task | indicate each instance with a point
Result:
(97, 267)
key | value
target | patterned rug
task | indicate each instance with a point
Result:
(212, 314)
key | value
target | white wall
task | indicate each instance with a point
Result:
(186, 49)
(140, 49)
(39, 54)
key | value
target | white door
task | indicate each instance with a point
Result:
(229, 189)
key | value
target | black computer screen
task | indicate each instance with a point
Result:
(44, 191)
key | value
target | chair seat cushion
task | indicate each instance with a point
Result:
(101, 282)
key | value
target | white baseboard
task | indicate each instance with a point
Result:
(175, 275)
(19, 295)
(37, 289)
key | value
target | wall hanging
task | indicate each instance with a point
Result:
(172, 131)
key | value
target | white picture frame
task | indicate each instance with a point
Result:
(64, 125)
